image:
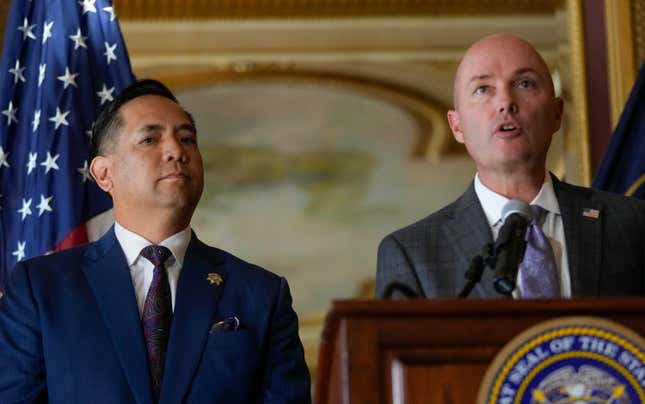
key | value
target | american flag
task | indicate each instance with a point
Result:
(61, 60)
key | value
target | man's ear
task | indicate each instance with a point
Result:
(455, 125)
(559, 111)
(100, 168)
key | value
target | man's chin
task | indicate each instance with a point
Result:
(509, 164)
(177, 201)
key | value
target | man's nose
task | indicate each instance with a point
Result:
(174, 150)
(506, 102)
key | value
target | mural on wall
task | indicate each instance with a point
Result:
(305, 179)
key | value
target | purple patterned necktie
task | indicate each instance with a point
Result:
(157, 315)
(538, 276)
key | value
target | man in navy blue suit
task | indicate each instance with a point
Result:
(148, 313)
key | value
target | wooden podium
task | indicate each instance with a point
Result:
(434, 351)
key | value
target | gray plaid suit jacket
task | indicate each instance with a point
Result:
(606, 254)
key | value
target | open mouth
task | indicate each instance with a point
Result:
(507, 128)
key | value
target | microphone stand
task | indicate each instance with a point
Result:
(476, 269)
(404, 289)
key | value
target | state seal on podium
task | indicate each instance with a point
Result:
(568, 360)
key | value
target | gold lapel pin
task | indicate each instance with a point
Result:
(214, 278)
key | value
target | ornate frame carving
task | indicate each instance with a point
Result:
(620, 55)
(205, 9)
(579, 145)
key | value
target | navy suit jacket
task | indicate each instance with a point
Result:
(70, 332)
(606, 253)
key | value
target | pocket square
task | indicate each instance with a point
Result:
(228, 325)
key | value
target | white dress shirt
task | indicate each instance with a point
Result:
(141, 270)
(492, 203)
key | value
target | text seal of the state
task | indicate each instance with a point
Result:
(568, 360)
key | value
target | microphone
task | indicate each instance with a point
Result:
(511, 244)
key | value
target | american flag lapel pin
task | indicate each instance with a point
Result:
(214, 278)
(591, 213)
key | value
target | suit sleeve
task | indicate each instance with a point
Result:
(286, 377)
(22, 369)
(393, 267)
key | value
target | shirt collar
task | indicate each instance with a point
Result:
(546, 197)
(492, 202)
(132, 243)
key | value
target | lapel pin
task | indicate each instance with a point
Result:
(592, 213)
(214, 278)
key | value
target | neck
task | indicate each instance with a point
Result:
(518, 185)
(154, 230)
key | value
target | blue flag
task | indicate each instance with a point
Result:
(61, 60)
(623, 167)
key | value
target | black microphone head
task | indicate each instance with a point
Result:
(510, 244)
(516, 206)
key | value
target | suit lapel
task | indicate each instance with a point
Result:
(583, 235)
(468, 232)
(195, 304)
(107, 273)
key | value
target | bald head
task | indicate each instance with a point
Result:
(493, 49)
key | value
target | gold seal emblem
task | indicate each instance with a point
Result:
(568, 360)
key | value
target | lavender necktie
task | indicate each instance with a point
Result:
(157, 314)
(538, 276)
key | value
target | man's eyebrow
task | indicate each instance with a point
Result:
(517, 72)
(151, 127)
(524, 70)
(479, 78)
(186, 126)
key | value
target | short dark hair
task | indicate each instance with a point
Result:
(109, 121)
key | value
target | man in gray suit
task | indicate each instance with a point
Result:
(505, 113)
